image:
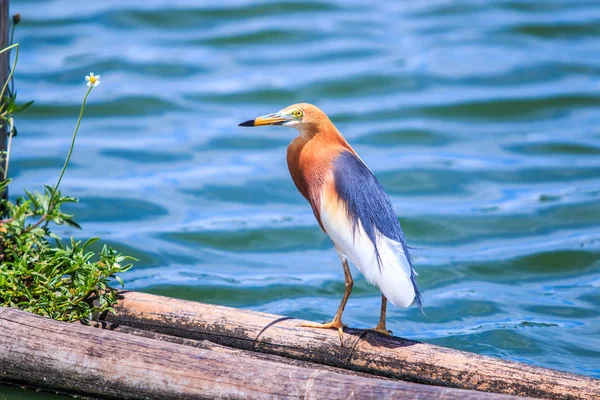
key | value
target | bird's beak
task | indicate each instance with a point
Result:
(270, 119)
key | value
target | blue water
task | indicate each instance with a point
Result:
(479, 118)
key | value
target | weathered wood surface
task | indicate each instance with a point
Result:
(72, 357)
(205, 344)
(362, 351)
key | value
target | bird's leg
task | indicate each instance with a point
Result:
(381, 325)
(337, 320)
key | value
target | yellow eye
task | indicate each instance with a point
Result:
(298, 113)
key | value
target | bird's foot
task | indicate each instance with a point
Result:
(380, 328)
(335, 324)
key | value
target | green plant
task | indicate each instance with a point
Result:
(39, 271)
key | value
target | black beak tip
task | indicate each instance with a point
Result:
(250, 122)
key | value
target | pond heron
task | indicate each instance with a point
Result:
(350, 205)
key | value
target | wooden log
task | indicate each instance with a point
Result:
(205, 344)
(76, 358)
(362, 351)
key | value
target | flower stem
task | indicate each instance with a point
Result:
(10, 120)
(11, 89)
(9, 47)
(16, 46)
(64, 168)
(10, 136)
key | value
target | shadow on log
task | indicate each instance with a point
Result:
(81, 359)
(367, 352)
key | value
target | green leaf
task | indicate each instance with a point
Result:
(89, 242)
(70, 222)
(19, 108)
(5, 183)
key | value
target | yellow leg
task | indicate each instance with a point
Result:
(381, 325)
(337, 320)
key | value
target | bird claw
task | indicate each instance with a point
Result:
(335, 324)
(382, 330)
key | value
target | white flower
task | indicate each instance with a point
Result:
(92, 79)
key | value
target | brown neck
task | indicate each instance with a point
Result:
(324, 132)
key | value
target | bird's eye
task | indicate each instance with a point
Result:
(298, 113)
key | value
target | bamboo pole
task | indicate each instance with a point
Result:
(367, 352)
(81, 359)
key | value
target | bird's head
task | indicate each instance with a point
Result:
(302, 116)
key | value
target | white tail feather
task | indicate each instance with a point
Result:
(391, 275)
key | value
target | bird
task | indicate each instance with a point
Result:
(350, 206)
